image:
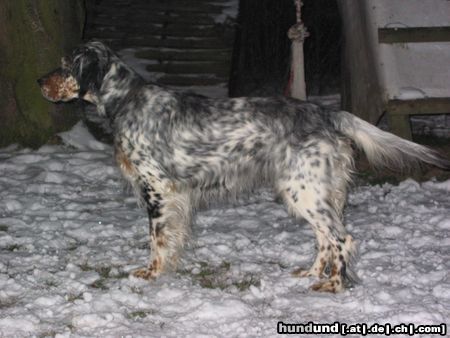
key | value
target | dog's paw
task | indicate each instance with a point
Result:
(145, 273)
(306, 273)
(333, 285)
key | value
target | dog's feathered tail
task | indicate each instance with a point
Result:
(384, 149)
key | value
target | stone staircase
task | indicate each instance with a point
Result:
(178, 43)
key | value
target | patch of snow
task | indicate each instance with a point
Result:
(410, 93)
(70, 234)
(395, 25)
(80, 138)
(230, 11)
(128, 55)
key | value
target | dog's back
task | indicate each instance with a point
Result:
(178, 149)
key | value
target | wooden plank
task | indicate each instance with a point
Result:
(399, 111)
(400, 125)
(414, 34)
(432, 105)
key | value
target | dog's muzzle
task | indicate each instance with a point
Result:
(59, 85)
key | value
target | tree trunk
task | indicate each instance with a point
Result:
(34, 34)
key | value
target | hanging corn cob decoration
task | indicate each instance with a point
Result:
(297, 33)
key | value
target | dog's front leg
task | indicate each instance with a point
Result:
(158, 254)
(169, 215)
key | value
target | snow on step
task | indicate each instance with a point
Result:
(175, 43)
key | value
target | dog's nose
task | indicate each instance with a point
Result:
(40, 81)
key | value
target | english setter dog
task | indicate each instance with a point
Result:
(180, 150)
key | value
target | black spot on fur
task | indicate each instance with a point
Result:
(315, 163)
(153, 210)
(295, 197)
(343, 270)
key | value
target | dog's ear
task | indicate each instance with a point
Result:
(90, 65)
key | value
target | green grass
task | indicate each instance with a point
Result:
(51, 283)
(71, 297)
(245, 284)
(104, 273)
(46, 334)
(136, 315)
(12, 247)
(100, 284)
(7, 302)
(218, 277)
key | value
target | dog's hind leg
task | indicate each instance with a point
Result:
(307, 189)
(169, 215)
(320, 263)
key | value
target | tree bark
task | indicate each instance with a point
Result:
(34, 34)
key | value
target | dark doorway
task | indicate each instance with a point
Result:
(261, 59)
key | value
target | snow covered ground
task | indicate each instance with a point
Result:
(70, 233)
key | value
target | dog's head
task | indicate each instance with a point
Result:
(80, 75)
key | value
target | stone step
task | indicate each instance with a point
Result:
(168, 5)
(171, 29)
(156, 18)
(185, 55)
(178, 80)
(105, 34)
(155, 30)
(220, 69)
(186, 43)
